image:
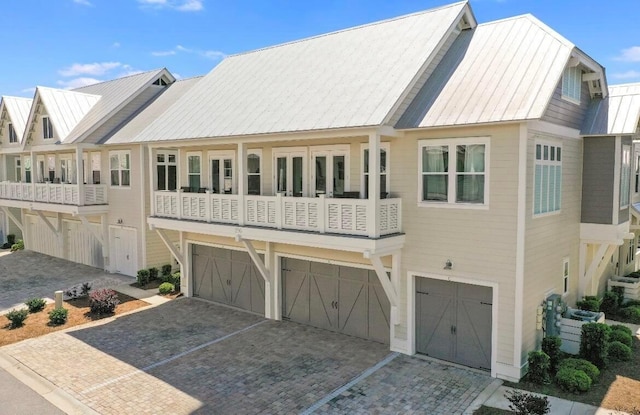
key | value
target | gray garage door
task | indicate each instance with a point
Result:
(453, 322)
(338, 298)
(227, 277)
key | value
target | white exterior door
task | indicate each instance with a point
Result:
(81, 246)
(221, 170)
(329, 171)
(290, 167)
(124, 257)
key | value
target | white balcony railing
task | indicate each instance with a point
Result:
(58, 193)
(315, 214)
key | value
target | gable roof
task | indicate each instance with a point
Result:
(17, 109)
(505, 70)
(617, 114)
(128, 132)
(350, 78)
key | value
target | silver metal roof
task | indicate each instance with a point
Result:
(153, 111)
(17, 109)
(505, 70)
(348, 78)
(617, 114)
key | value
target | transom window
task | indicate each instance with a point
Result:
(572, 84)
(547, 196)
(454, 171)
(120, 168)
(47, 128)
(13, 137)
(625, 176)
(166, 170)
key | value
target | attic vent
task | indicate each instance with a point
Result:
(160, 81)
(464, 24)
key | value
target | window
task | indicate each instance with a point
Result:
(329, 170)
(166, 170)
(120, 168)
(454, 171)
(631, 251)
(221, 169)
(51, 165)
(27, 169)
(95, 167)
(384, 169)
(13, 137)
(194, 169)
(254, 169)
(66, 169)
(47, 128)
(548, 178)
(18, 166)
(565, 275)
(637, 174)
(572, 84)
(625, 176)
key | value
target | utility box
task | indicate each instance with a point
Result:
(553, 315)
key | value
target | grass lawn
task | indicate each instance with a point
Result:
(618, 387)
(37, 324)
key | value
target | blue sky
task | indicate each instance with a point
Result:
(70, 43)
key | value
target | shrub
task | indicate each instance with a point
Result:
(527, 404)
(18, 246)
(594, 342)
(573, 380)
(551, 346)
(610, 302)
(17, 317)
(632, 303)
(103, 301)
(166, 271)
(619, 351)
(589, 303)
(620, 336)
(153, 274)
(143, 277)
(11, 239)
(631, 314)
(622, 328)
(175, 279)
(58, 316)
(166, 288)
(35, 304)
(580, 364)
(620, 292)
(539, 364)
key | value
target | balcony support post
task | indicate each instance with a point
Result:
(45, 220)
(15, 220)
(34, 175)
(152, 181)
(242, 181)
(373, 211)
(79, 175)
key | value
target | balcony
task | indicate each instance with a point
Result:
(319, 215)
(61, 197)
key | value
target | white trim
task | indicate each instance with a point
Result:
(465, 279)
(566, 261)
(329, 151)
(616, 179)
(193, 154)
(289, 153)
(520, 245)
(550, 142)
(255, 152)
(628, 189)
(386, 146)
(120, 170)
(155, 163)
(221, 155)
(143, 200)
(546, 128)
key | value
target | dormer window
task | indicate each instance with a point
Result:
(572, 84)
(161, 82)
(13, 137)
(47, 128)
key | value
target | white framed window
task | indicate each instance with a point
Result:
(565, 275)
(194, 170)
(385, 171)
(631, 251)
(637, 174)
(120, 168)
(572, 84)
(18, 169)
(13, 137)
(66, 169)
(222, 172)
(290, 171)
(329, 170)
(454, 172)
(547, 188)
(47, 128)
(96, 167)
(254, 172)
(27, 169)
(625, 176)
(166, 170)
(51, 168)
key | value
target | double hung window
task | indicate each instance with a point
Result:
(547, 195)
(120, 168)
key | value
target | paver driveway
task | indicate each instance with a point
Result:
(27, 274)
(190, 356)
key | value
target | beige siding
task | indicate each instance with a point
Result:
(13, 228)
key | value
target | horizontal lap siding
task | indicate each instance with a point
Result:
(563, 112)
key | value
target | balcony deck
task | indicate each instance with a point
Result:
(61, 197)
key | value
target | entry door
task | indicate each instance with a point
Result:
(289, 177)
(329, 172)
(123, 251)
(221, 168)
(453, 322)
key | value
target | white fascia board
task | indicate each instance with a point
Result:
(601, 233)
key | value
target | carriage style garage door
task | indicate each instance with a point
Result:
(453, 322)
(40, 238)
(228, 277)
(82, 247)
(338, 298)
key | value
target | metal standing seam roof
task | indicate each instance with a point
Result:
(18, 109)
(153, 111)
(617, 114)
(349, 78)
(505, 70)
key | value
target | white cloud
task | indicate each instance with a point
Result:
(631, 54)
(213, 54)
(95, 69)
(128, 70)
(179, 5)
(163, 53)
(78, 82)
(115, 45)
(209, 54)
(626, 75)
(83, 2)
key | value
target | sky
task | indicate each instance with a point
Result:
(72, 43)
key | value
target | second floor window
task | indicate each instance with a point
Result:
(194, 168)
(13, 137)
(547, 194)
(166, 171)
(120, 168)
(47, 128)
(572, 84)
(254, 169)
(384, 170)
(637, 174)
(625, 176)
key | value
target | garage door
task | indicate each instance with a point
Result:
(228, 277)
(343, 299)
(453, 322)
(41, 238)
(82, 247)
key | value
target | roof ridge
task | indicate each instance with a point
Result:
(15, 97)
(119, 78)
(189, 78)
(349, 29)
(71, 91)
(534, 20)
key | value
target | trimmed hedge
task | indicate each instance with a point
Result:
(551, 346)
(594, 343)
(573, 380)
(620, 336)
(619, 351)
(587, 367)
(166, 288)
(539, 364)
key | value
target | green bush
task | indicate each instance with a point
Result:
(166, 271)
(610, 302)
(631, 314)
(35, 304)
(153, 274)
(58, 316)
(580, 364)
(166, 288)
(175, 279)
(11, 239)
(620, 292)
(619, 351)
(622, 328)
(539, 364)
(18, 246)
(17, 317)
(103, 301)
(551, 346)
(632, 303)
(527, 404)
(620, 336)
(143, 277)
(589, 303)
(573, 380)
(594, 343)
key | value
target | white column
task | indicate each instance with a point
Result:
(3, 173)
(104, 224)
(34, 175)
(79, 173)
(270, 299)
(152, 182)
(373, 213)
(242, 180)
